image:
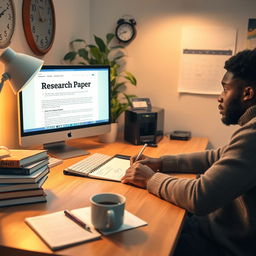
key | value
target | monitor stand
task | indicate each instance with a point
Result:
(63, 151)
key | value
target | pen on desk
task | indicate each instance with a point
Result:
(141, 151)
(77, 220)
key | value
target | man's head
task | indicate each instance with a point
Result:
(239, 86)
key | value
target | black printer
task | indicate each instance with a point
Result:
(144, 126)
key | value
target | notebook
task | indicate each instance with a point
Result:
(101, 166)
(58, 231)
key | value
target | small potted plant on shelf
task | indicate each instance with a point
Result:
(105, 53)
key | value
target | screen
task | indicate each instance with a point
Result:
(64, 102)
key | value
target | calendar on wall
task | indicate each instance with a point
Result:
(251, 34)
(204, 52)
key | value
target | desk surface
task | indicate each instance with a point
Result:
(70, 192)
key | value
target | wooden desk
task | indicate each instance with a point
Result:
(70, 192)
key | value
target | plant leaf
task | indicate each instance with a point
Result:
(72, 43)
(129, 76)
(109, 37)
(91, 45)
(129, 98)
(83, 53)
(115, 89)
(95, 52)
(70, 56)
(93, 61)
(120, 56)
(78, 40)
(100, 43)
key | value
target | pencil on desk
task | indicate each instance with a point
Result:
(77, 220)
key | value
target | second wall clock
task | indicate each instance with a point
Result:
(7, 22)
(125, 30)
(39, 24)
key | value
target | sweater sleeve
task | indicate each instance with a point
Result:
(227, 178)
(197, 162)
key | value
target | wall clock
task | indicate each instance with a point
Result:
(125, 30)
(39, 24)
(7, 22)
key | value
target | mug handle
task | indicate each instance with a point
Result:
(110, 218)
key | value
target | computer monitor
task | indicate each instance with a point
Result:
(62, 103)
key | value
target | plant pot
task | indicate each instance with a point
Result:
(110, 136)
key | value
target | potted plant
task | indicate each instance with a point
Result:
(105, 53)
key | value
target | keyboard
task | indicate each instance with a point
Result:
(88, 165)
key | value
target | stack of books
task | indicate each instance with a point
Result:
(22, 175)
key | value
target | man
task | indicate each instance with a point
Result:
(223, 199)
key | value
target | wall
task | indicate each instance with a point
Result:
(154, 56)
(72, 21)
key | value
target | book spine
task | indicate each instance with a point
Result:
(15, 171)
(10, 164)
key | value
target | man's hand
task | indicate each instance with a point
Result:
(138, 174)
(154, 163)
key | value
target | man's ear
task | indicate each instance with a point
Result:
(248, 93)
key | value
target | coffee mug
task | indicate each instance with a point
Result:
(107, 211)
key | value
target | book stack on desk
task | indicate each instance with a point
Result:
(22, 175)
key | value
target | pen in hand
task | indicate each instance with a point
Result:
(77, 220)
(141, 152)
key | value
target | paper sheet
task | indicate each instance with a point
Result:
(204, 52)
(112, 170)
(58, 231)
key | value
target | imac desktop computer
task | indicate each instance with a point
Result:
(62, 103)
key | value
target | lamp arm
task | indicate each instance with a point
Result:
(5, 77)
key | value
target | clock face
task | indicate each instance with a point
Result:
(39, 24)
(125, 32)
(7, 22)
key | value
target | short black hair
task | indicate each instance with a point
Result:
(243, 66)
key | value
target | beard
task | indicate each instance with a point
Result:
(233, 112)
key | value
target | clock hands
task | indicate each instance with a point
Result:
(2, 13)
(123, 32)
(40, 15)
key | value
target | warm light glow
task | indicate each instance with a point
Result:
(8, 116)
(18, 69)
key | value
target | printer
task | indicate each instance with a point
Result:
(144, 125)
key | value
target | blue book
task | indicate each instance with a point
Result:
(32, 178)
(25, 170)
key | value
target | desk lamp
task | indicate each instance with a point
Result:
(19, 69)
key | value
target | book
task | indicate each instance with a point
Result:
(61, 232)
(32, 178)
(22, 157)
(25, 170)
(25, 186)
(23, 200)
(113, 168)
(23, 193)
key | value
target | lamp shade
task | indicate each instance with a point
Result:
(19, 68)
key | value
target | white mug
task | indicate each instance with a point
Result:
(107, 211)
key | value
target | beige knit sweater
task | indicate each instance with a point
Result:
(224, 197)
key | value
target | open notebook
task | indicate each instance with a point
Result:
(58, 231)
(101, 166)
